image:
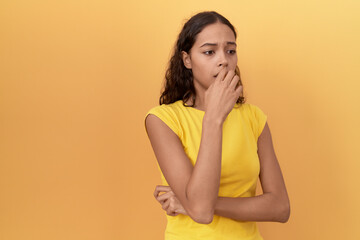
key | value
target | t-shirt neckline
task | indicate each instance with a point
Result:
(198, 110)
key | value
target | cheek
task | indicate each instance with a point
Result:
(200, 70)
(235, 61)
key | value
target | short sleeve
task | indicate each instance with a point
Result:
(259, 120)
(167, 115)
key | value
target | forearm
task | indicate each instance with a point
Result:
(262, 208)
(203, 186)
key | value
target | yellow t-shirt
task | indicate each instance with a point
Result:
(240, 167)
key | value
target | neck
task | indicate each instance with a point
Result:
(199, 101)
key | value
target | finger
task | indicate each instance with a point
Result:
(171, 208)
(239, 90)
(164, 196)
(180, 211)
(161, 188)
(165, 205)
(221, 74)
(159, 195)
(174, 214)
(170, 212)
(229, 77)
(234, 82)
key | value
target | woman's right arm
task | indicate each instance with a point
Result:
(196, 187)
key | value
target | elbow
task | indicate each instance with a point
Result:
(201, 211)
(202, 216)
(204, 219)
(284, 213)
(281, 210)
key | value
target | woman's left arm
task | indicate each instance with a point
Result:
(273, 205)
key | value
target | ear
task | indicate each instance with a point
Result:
(186, 59)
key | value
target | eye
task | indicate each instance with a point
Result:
(208, 52)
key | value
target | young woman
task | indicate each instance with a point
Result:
(210, 145)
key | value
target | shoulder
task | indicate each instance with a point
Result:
(172, 108)
(249, 107)
(168, 114)
(252, 110)
(256, 117)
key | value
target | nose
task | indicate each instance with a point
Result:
(223, 61)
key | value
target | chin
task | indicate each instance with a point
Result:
(210, 84)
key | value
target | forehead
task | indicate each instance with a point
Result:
(215, 33)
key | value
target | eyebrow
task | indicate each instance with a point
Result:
(215, 44)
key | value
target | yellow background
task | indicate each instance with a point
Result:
(77, 77)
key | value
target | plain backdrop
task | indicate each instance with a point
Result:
(77, 77)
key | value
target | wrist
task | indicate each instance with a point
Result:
(212, 120)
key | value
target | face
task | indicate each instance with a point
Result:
(214, 47)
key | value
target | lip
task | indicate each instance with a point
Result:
(217, 73)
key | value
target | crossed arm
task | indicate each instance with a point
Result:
(273, 205)
(194, 191)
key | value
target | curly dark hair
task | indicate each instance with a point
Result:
(178, 84)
